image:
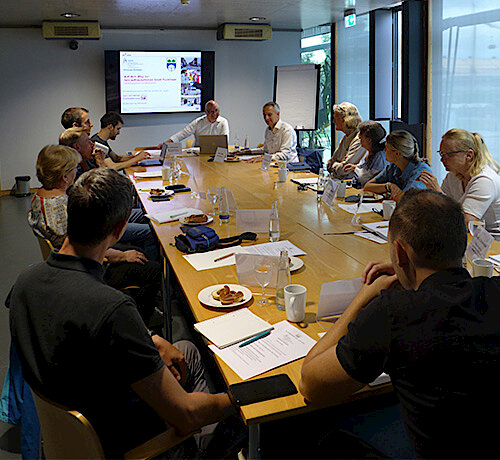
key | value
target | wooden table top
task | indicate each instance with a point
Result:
(302, 221)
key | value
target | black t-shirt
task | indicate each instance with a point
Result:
(441, 346)
(83, 343)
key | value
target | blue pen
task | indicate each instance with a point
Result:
(253, 339)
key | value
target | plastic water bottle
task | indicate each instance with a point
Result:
(283, 279)
(274, 223)
(223, 207)
(247, 143)
(320, 187)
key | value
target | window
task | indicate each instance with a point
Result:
(465, 72)
(316, 49)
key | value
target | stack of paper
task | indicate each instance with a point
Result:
(147, 174)
(232, 328)
(381, 229)
(364, 207)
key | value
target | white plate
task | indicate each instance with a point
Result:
(182, 220)
(296, 263)
(205, 295)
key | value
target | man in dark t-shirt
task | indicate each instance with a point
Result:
(438, 336)
(83, 343)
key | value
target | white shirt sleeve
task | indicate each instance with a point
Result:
(479, 196)
(189, 130)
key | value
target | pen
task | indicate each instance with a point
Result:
(340, 233)
(253, 339)
(224, 257)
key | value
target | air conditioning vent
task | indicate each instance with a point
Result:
(88, 30)
(244, 32)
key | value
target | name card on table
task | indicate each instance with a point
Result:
(220, 155)
(266, 161)
(480, 244)
(253, 220)
(174, 148)
(329, 193)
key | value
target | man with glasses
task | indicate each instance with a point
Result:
(209, 124)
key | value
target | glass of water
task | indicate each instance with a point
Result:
(263, 277)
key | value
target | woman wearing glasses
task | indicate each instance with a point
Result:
(472, 179)
(56, 169)
(401, 150)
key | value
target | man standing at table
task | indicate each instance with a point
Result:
(279, 139)
(209, 124)
(83, 344)
(437, 338)
(111, 123)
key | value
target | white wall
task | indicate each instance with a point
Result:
(41, 78)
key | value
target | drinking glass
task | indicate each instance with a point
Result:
(473, 224)
(213, 196)
(263, 277)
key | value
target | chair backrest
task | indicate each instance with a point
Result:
(189, 143)
(66, 433)
(45, 246)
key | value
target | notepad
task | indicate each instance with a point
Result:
(147, 174)
(172, 215)
(381, 229)
(232, 328)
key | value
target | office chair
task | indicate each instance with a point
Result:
(68, 434)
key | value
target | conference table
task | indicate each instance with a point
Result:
(303, 222)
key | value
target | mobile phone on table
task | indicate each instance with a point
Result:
(258, 390)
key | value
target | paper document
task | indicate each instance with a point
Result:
(232, 328)
(147, 174)
(285, 344)
(249, 157)
(336, 296)
(172, 215)
(365, 207)
(274, 249)
(206, 260)
(479, 245)
(372, 237)
(381, 229)
(305, 181)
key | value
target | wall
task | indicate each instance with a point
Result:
(40, 78)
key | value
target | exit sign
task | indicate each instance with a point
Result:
(350, 20)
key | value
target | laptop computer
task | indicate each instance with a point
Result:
(209, 143)
(154, 162)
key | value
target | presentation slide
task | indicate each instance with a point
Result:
(158, 81)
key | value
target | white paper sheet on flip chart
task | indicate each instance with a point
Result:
(285, 343)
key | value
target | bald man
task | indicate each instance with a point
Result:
(209, 124)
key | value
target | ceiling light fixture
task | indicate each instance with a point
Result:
(70, 15)
(257, 18)
(185, 2)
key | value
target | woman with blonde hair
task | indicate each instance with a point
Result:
(56, 169)
(472, 177)
(346, 119)
(401, 150)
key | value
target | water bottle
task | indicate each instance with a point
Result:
(284, 279)
(223, 207)
(247, 143)
(320, 187)
(274, 223)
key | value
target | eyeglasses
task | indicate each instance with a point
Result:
(447, 154)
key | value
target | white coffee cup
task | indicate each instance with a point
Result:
(341, 190)
(295, 302)
(282, 174)
(388, 207)
(482, 267)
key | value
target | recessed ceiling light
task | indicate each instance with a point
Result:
(70, 15)
(257, 18)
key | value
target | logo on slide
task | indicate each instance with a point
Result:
(171, 64)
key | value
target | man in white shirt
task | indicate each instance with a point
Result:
(280, 139)
(209, 124)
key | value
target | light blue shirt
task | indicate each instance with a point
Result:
(407, 179)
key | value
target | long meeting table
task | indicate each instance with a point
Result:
(303, 222)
